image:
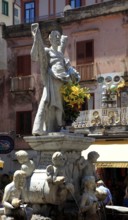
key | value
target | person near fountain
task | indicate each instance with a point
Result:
(27, 165)
(55, 71)
(13, 198)
(101, 186)
(125, 198)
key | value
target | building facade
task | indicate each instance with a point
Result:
(35, 11)
(10, 12)
(97, 47)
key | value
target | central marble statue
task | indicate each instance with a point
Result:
(55, 70)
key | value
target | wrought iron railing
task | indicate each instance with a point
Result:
(87, 71)
(22, 83)
(44, 17)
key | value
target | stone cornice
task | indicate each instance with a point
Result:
(96, 10)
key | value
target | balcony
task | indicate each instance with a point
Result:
(44, 17)
(87, 71)
(22, 84)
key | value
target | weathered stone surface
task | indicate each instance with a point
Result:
(59, 142)
(24, 30)
(95, 10)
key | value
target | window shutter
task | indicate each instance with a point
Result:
(89, 51)
(24, 122)
(23, 65)
(85, 52)
(80, 52)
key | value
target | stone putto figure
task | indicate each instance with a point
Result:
(13, 200)
(87, 166)
(55, 70)
(27, 165)
(56, 175)
(89, 201)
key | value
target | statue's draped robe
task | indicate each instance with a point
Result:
(52, 69)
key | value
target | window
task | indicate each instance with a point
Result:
(75, 3)
(84, 52)
(16, 12)
(24, 65)
(24, 122)
(4, 7)
(52, 7)
(29, 9)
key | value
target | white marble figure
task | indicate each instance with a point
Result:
(55, 71)
(87, 166)
(89, 202)
(56, 175)
(27, 165)
(13, 200)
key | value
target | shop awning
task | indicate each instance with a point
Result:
(112, 155)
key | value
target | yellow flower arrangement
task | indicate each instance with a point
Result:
(73, 96)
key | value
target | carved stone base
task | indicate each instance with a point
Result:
(59, 141)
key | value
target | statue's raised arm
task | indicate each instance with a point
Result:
(38, 52)
(63, 43)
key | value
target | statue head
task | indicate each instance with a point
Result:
(22, 156)
(19, 178)
(54, 38)
(93, 156)
(58, 159)
(89, 182)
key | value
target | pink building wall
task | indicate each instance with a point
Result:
(110, 41)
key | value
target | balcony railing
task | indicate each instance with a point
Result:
(103, 117)
(87, 71)
(22, 83)
(43, 18)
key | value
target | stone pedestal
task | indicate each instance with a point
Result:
(57, 141)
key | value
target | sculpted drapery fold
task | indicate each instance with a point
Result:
(38, 52)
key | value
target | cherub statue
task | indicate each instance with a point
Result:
(27, 165)
(87, 167)
(55, 71)
(13, 198)
(56, 175)
(89, 202)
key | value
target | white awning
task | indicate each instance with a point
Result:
(111, 154)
